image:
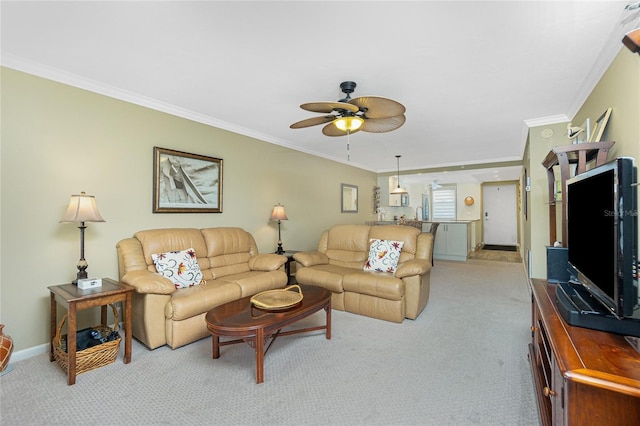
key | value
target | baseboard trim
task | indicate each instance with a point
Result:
(29, 352)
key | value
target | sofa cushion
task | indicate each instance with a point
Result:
(267, 262)
(230, 264)
(188, 302)
(413, 267)
(377, 284)
(230, 240)
(348, 245)
(311, 258)
(383, 255)
(229, 250)
(181, 267)
(252, 282)
(325, 276)
(407, 234)
(148, 282)
(171, 239)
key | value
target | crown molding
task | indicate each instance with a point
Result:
(629, 20)
(34, 68)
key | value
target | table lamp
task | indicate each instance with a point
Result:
(279, 214)
(82, 208)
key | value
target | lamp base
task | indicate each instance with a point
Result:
(280, 250)
(80, 276)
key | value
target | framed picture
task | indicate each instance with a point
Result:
(349, 195)
(601, 124)
(186, 183)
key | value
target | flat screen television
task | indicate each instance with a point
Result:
(602, 245)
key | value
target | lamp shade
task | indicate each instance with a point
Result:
(82, 208)
(348, 123)
(278, 213)
(399, 190)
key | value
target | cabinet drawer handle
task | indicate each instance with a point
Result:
(548, 392)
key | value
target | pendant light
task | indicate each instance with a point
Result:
(398, 189)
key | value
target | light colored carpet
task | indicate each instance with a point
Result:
(462, 362)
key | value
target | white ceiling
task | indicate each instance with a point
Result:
(472, 75)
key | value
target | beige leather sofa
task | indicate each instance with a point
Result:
(338, 263)
(231, 266)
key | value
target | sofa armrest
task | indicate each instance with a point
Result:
(311, 258)
(145, 281)
(266, 262)
(413, 267)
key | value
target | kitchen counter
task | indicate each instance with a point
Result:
(448, 221)
(453, 237)
(414, 223)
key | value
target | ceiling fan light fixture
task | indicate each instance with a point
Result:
(349, 123)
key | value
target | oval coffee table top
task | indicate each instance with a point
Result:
(240, 317)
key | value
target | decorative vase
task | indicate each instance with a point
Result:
(6, 347)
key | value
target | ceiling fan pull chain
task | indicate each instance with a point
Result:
(348, 157)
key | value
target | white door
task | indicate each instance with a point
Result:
(500, 214)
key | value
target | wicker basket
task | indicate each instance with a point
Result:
(90, 358)
(278, 299)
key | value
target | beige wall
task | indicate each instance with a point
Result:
(474, 211)
(619, 88)
(536, 226)
(58, 140)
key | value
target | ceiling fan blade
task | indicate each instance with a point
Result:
(382, 125)
(326, 107)
(377, 107)
(314, 121)
(331, 130)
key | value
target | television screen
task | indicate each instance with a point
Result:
(591, 232)
(601, 232)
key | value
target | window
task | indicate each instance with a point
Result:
(444, 202)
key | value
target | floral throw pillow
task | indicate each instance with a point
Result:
(383, 255)
(181, 267)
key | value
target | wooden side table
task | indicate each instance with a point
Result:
(287, 266)
(75, 299)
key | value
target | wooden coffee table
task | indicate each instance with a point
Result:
(241, 320)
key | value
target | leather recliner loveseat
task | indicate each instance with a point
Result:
(338, 265)
(231, 268)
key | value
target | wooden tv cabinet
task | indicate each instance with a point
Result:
(581, 376)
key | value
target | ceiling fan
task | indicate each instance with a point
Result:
(367, 113)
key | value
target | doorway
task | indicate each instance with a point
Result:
(500, 216)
